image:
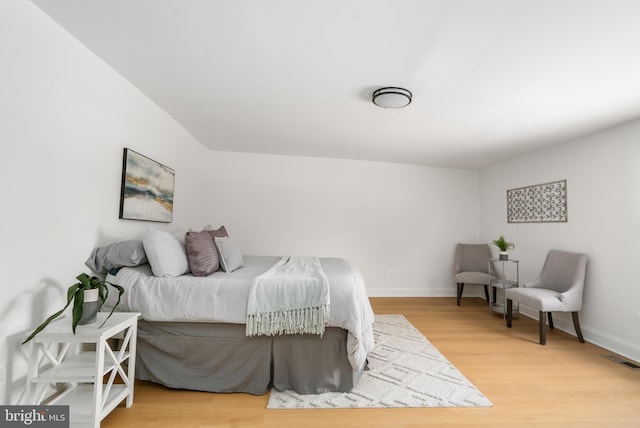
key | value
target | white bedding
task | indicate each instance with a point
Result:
(222, 297)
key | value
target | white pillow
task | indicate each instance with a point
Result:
(229, 253)
(182, 240)
(166, 253)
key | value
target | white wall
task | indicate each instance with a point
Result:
(64, 119)
(603, 194)
(381, 216)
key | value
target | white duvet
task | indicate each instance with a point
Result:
(222, 297)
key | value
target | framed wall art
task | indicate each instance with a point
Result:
(147, 189)
(540, 203)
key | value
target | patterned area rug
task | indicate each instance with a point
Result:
(405, 370)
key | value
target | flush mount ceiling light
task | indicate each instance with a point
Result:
(392, 97)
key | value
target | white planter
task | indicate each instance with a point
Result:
(90, 307)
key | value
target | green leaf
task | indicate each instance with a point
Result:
(77, 308)
(103, 293)
(44, 324)
(84, 280)
(503, 244)
(70, 293)
(120, 293)
(95, 282)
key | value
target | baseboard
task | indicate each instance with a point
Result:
(599, 338)
(472, 291)
(411, 292)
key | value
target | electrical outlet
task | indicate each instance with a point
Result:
(390, 273)
(638, 319)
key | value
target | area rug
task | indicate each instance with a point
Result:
(405, 370)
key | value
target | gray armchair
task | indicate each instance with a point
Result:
(558, 288)
(472, 267)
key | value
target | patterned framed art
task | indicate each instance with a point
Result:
(147, 189)
(540, 203)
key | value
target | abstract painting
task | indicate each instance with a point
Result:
(147, 189)
(541, 203)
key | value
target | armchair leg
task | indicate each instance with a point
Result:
(543, 328)
(509, 312)
(486, 293)
(550, 317)
(576, 324)
(460, 288)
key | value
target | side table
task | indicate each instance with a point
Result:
(504, 283)
(88, 376)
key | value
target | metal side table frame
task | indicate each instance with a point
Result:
(504, 283)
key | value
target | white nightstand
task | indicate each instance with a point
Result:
(83, 379)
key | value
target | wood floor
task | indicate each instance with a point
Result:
(562, 384)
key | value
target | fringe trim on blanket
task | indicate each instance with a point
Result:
(290, 321)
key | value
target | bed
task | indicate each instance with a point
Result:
(192, 332)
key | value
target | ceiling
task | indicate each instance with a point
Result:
(491, 79)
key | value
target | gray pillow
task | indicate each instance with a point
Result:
(202, 253)
(229, 252)
(116, 255)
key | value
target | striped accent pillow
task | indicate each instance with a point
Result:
(201, 253)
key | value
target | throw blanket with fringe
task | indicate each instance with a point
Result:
(290, 298)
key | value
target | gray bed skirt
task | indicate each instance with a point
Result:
(219, 357)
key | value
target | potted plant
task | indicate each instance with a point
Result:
(504, 246)
(88, 295)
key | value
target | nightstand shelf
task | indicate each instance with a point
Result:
(76, 369)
